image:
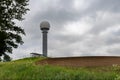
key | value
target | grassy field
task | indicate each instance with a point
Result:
(25, 69)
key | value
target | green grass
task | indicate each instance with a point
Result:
(25, 69)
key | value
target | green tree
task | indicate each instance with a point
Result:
(10, 33)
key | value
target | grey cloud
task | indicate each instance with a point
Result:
(113, 38)
(109, 7)
(114, 51)
(101, 25)
(104, 5)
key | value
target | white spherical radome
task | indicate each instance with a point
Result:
(44, 25)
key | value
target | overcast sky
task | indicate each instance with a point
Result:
(78, 28)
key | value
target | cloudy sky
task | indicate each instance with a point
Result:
(78, 28)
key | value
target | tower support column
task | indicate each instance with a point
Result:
(44, 42)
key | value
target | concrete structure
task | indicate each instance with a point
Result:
(35, 54)
(44, 26)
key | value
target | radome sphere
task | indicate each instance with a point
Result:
(44, 25)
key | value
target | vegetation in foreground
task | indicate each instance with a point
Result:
(26, 69)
